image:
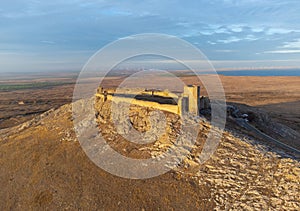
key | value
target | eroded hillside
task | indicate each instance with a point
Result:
(44, 167)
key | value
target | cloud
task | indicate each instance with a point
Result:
(255, 29)
(291, 47)
(226, 51)
(114, 12)
(293, 44)
(236, 28)
(283, 51)
(212, 43)
(48, 42)
(230, 40)
(233, 39)
(272, 31)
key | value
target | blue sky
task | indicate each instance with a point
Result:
(62, 35)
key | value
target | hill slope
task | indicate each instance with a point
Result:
(44, 167)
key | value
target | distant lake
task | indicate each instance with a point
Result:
(277, 72)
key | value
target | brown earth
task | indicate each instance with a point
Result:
(18, 106)
(43, 166)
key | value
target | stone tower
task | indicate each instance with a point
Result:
(193, 94)
(183, 104)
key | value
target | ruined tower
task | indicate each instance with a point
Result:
(183, 104)
(193, 94)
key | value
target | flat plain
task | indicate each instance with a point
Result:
(24, 98)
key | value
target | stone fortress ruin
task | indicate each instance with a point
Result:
(189, 101)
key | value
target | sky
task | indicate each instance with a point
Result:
(61, 35)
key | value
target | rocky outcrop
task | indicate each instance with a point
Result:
(243, 174)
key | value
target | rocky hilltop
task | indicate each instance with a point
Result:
(43, 167)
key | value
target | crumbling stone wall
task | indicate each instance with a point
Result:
(187, 102)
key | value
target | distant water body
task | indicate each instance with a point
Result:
(277, 72)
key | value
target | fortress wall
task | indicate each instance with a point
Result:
(162, 94)
(188, 102)
(165, 107)
(134, 91)
(137, 91)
